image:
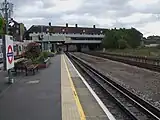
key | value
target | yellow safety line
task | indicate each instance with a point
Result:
(79, 106)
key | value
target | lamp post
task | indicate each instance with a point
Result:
(50, 34)
(41, 40)
(41, 37)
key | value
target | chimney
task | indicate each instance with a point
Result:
(66, 24)
(76, 25)
(50, 24)
(94, 26)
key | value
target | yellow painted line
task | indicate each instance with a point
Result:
(79, 106)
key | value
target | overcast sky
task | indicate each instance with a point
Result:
(142, 14)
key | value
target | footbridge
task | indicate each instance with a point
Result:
(49, 40)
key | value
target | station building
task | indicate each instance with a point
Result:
(49, 36)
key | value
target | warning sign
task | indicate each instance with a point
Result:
(9, 52)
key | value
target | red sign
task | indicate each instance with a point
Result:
(10, 54)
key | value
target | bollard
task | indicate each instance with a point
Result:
(10, 77)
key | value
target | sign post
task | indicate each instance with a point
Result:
(9, 56)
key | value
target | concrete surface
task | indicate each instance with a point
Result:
(91, 108)
(34, 97)
(70, 110)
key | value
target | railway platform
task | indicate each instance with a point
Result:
(56, 93)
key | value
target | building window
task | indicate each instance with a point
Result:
(63, 31)
(20, 49)
(17, 26)
(84, 31)
(17, 31)
(47, 30)
(15, 48)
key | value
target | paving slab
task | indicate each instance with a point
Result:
(70, 109)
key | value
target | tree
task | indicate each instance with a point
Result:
(122, 44)
(134, 37)
(110, 39)
(131, 36)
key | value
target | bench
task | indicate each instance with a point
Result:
(19, 66)
(30, 67)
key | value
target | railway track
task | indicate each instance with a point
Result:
(131, 105)
(148, 63)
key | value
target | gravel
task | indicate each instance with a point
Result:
(140, 81)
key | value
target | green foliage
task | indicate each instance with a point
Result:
(150, 52)
(32, 51)
(45, 54)
(41, 57)
(122, 44)
(38, 60)
(2, 24)
(110, 40)
(158, 47)
(131, 36)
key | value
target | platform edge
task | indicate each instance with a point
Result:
(107, 112)
(79, 106)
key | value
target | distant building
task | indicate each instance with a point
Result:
(38, 32)
(52, 35)
(152, 40)
(17, 30)
(152, 45)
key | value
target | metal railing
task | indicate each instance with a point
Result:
(140, 61)
(70, 35)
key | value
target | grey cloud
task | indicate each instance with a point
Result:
(98, 8)
(44, 21)
(118, 24)
(153, 8)
(112, 9)
(20, 3)
(139, 24)
(47, 4)
(40, 14)
(92, 7)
